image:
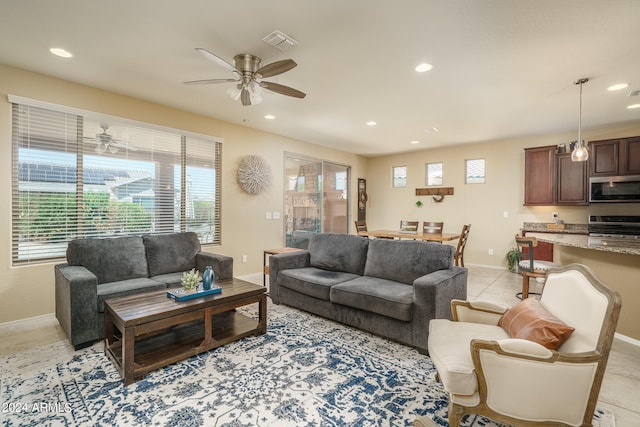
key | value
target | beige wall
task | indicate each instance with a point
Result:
(482, 205)
(28, 291)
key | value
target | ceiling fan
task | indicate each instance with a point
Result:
(249, 74)
(107, 142)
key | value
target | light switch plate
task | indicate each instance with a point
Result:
(267, 215)
(275, 215)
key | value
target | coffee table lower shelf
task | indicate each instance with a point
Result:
(180, 342)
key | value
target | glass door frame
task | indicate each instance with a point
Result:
(289, 156)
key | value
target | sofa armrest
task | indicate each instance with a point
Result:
(484, 312)
(222, 265)
(432, 295)
(285, 261)
(76, 302)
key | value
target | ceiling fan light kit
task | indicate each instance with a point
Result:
(248, 84)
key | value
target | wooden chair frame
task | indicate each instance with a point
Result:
(462, 242)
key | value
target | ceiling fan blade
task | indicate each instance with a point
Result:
(276, 68)
(215, 58)
(123, 144)
(209, 81)
(245, 97)
(282, 89)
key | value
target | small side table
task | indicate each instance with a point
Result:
(265, 266)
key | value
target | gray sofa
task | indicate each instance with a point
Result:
(103, 268)
(391, 288)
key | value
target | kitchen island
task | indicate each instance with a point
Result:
(617, 266)
(583, 241)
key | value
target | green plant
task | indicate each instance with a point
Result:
(513, 257)
(418, 203)
(190, 279)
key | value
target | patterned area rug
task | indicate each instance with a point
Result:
(306, 371)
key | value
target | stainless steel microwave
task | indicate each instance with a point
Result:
(614, 189)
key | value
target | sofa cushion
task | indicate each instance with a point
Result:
(339, 252)
(168, 253)
(381, 296)
(406, 260)
(312, 281)
(450, 350)
(110, 259)
(123, 288)
(170, 280)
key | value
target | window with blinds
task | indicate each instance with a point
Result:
(75, 176)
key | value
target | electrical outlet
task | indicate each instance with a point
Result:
(490, 251)
(244, 259)
(505, 214)
(275, 215)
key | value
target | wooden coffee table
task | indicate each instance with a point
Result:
(147, 331)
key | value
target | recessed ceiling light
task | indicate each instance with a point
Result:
(632, 106)
(60, 52)
(414, 142)
(423, 67)
(269, 117)
(432, 129)
(371, 123)
(618, 86)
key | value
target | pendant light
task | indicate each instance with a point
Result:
(580, 152)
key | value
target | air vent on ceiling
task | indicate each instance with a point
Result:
(280, 40)
(634, 93)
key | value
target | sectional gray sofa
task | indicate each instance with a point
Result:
(103, 268)
(391, 288)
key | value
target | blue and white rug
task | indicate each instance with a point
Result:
(306, 371)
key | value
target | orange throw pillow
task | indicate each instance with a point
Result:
(529, 320)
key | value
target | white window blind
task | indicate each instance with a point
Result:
(76, 176)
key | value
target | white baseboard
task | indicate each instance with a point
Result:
(627, 339)
(36, 319)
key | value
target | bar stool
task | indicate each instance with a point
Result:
(529, 266)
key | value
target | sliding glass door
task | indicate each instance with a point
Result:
(334, 202)
(315, 199)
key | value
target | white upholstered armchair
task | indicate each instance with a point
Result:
(505, 367)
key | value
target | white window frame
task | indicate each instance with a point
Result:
(428, 174)
(166, 203)
(480, 179)
(395, 181)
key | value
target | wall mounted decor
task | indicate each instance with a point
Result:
(254, 174)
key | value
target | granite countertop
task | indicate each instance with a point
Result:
(580, 241)
(543, 227)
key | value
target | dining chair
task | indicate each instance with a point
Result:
(529, 266)
(458, 257)
(432, 227)
(409, 225)
(361, 227)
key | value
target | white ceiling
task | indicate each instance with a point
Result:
(501, 68)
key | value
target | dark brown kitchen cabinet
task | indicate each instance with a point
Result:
(613, 157)
(571, 181)
(553, 179)
(539, 175)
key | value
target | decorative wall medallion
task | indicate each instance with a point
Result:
(254, 174)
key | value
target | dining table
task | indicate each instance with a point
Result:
(414, 235)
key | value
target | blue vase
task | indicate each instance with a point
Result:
(207, 278)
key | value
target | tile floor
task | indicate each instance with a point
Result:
(620, 389)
